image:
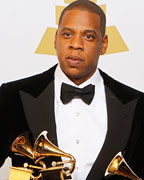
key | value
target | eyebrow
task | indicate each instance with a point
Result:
(85, 31)
(90, 31)
(66, 28)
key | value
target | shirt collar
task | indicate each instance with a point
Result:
(60, 77)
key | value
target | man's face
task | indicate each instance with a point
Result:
(79, 44)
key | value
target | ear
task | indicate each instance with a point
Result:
(104, 44)
(55, 41)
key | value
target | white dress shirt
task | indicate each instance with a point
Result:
(81, 128)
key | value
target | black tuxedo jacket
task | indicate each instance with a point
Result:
(28, 104)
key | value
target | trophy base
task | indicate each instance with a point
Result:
(19, 173)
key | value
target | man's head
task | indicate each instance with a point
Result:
(80, 39)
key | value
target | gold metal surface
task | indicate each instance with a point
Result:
(22, 145)
(119, 166)
(44, 148)
(20, 173)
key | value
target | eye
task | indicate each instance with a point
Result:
(66, 35)
(89, 37)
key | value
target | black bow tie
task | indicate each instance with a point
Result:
(69, 92)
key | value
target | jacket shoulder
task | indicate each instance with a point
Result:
(122, 91)
(33, 84)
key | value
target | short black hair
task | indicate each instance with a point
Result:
(89, 6)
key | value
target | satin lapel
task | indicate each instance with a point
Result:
(39, 112)
(120, 117)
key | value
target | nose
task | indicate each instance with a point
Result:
(76, 43)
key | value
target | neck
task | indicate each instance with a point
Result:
(79, 81)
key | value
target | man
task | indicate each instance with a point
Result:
(93, 129)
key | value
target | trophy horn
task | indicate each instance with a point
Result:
(22, 145)
(118, 166)
(44, 148)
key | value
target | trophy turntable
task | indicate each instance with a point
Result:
(41, 150)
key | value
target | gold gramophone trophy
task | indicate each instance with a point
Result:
(118, 166)
(41, 150)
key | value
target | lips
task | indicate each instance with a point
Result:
(74, 60)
